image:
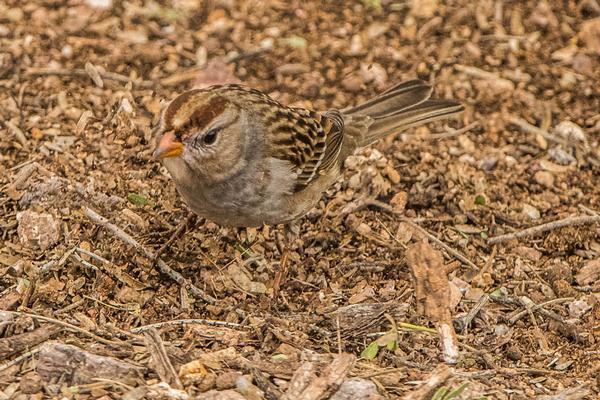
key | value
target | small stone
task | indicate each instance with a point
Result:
(424, 8)
(227, 380)
(134, 218)
(352, 83)
(531, 212)
(392, 174)
(513, 353)
(31, 383)
(544, 178)
(589, 273)
(99, 3)
(377, 29)
(399, 200)
(293, 69)
(363, 229)
(583, 64)
(590, 34)
(374, 73)
(37, 231)
(488, 164)
(528, 253)
(560, 156)
(578, 308)
(357, 388)
(570, 131)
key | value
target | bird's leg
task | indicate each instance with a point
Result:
(181, 227)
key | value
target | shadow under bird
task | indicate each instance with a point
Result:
(240, 158)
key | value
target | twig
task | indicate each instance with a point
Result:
(68, 326)
(539, 308)
(177, 322)
(466, 321)
(434, 239)
(110, 269)
(163, 366)
(22, 357)
(532, 129)
(178, 231)
(561, 223)
(83, 73)
(588, 210)
(164, 268)
(452, 133)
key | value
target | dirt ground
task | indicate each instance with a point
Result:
(329, 305)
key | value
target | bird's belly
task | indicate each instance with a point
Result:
(246, 208)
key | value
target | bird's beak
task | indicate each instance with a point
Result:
(168, 146)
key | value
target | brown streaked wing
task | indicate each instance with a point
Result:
(311, 141)
(333, 124)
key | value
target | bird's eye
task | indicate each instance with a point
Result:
(210, 137)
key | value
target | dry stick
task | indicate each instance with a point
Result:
(83, 73)
(176, 322)
(178, 231)
(435, 240)
(452, 133)
(532, 129)
(561, 223)
(164, 268)
(70, 327)
(540, 308)
(473, 312)
(163, 366)
(22, 357)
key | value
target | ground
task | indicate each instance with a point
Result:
(81, 85)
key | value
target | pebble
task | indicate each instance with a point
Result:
(544, 178)
(560, 156)
(570, 131)
(37, 230)
(531, 211)
(352, 83)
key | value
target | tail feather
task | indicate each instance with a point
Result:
(394, 99)
(400, 107)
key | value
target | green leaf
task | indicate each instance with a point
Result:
(480, 199)
(137, 199)
(484, 235)
(387, 339)
(376, 4)
(370, 352)
(457, 392)
(392, 346)
(440, 394)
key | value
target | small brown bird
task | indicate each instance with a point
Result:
(240, 158)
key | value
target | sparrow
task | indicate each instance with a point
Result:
(240, 158)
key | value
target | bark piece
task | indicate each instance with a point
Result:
(77, 367)
(432, 293)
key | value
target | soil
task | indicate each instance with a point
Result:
(81, 86)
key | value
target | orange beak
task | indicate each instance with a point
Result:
(168, 146)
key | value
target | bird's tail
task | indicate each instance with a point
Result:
(400, 107)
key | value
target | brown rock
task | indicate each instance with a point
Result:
(590, 35)
(227, 380)
(31, 383)
(75, 366)
(544, 178)
(589, 273)
(353, 83)
(37, 231)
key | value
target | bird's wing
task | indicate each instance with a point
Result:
(310, 140)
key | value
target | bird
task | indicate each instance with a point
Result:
(239, 158)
